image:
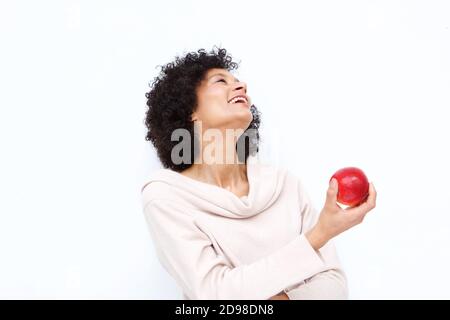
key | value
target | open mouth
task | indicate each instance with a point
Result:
(240, 100)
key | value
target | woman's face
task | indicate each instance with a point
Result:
(216, 107)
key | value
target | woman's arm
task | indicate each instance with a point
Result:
(319, 230)
(327, 285)
(333, 220)
(187, 253)
(280, 296)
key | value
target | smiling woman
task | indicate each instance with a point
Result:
(194, 93)
(226, 226)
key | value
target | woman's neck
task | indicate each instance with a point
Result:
(232, 177)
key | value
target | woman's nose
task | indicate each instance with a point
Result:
(240, 86)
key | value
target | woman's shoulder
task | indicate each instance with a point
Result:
(157, 186)
(282, 171)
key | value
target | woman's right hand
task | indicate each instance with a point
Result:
(334, 220)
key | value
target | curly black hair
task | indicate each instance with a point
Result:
(173, 98)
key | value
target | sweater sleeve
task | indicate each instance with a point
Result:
(188, 255)
(308, 213)
(329, 284)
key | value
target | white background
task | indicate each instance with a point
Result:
(339, 83)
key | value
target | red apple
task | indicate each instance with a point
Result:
(353, 186)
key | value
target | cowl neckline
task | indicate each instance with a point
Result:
(265, 185)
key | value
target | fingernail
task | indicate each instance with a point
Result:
(332, 183)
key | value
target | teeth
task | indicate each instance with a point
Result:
(238, 99)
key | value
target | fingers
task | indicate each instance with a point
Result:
(371, 199)
(332, 194)
(366, 206)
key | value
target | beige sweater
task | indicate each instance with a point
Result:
(219, 246)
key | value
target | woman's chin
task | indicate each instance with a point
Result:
(244, 120)
(238, 118)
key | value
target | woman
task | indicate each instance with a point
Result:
(224, 225)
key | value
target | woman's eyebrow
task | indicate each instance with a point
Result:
(224, 75)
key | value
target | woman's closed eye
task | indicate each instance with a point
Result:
(221, 80)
